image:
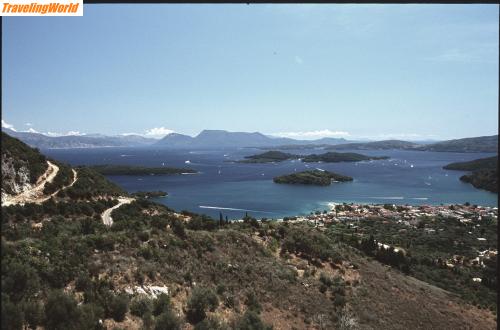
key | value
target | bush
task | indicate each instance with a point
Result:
(12, 315)
(147, 321)
(178, 228)
(209, 324)
(168, 321)
(61, 311)
(83, 282)
(252, 302)
(118, 307)
(339, 300)
(251, 321)
(161, 304)
(140, 306)
(200, 300)
(90, 315)
(33, 314)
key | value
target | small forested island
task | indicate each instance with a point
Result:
(328, 157)
(335, 157)
(149, 194)
(314, 177)
(139, 170)
(484, 172)
(268, 157)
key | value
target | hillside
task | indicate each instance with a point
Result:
(65, 267)
(377, 145)
(475, 144)
(477, 164)
(484, 172)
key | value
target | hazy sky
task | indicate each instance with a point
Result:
(377, 71)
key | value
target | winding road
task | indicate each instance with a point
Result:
(106, 215)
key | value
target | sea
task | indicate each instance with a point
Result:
(234, 189)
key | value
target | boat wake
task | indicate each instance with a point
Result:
(230, 209)
(390, 197)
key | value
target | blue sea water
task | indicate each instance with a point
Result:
(408, 177)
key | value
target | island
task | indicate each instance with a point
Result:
(314, 177)
(149, 194)
(335, 157)
(484, 172)
(268, 157)
(139, 170)
(328, 157)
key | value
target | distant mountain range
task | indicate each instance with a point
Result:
(225, 139)
(42, 141)
(208, 139)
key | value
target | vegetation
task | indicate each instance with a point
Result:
(63, 269)
(314, 177)
(335, 157)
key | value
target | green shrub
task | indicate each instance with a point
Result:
(118, 307)
(90, 315)
(12, 315)
(251, 321)
(200, 300)
(139, 306)
(252, 302)
(33, 313)
(61, 311)
(83, 282)
(209, 323)
(161, 304)
(167, 321)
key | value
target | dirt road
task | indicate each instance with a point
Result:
(106, 215)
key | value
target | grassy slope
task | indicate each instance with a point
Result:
(298, 275)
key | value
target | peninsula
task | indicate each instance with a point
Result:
(139, 170)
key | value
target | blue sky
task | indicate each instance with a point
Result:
(304, 71)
